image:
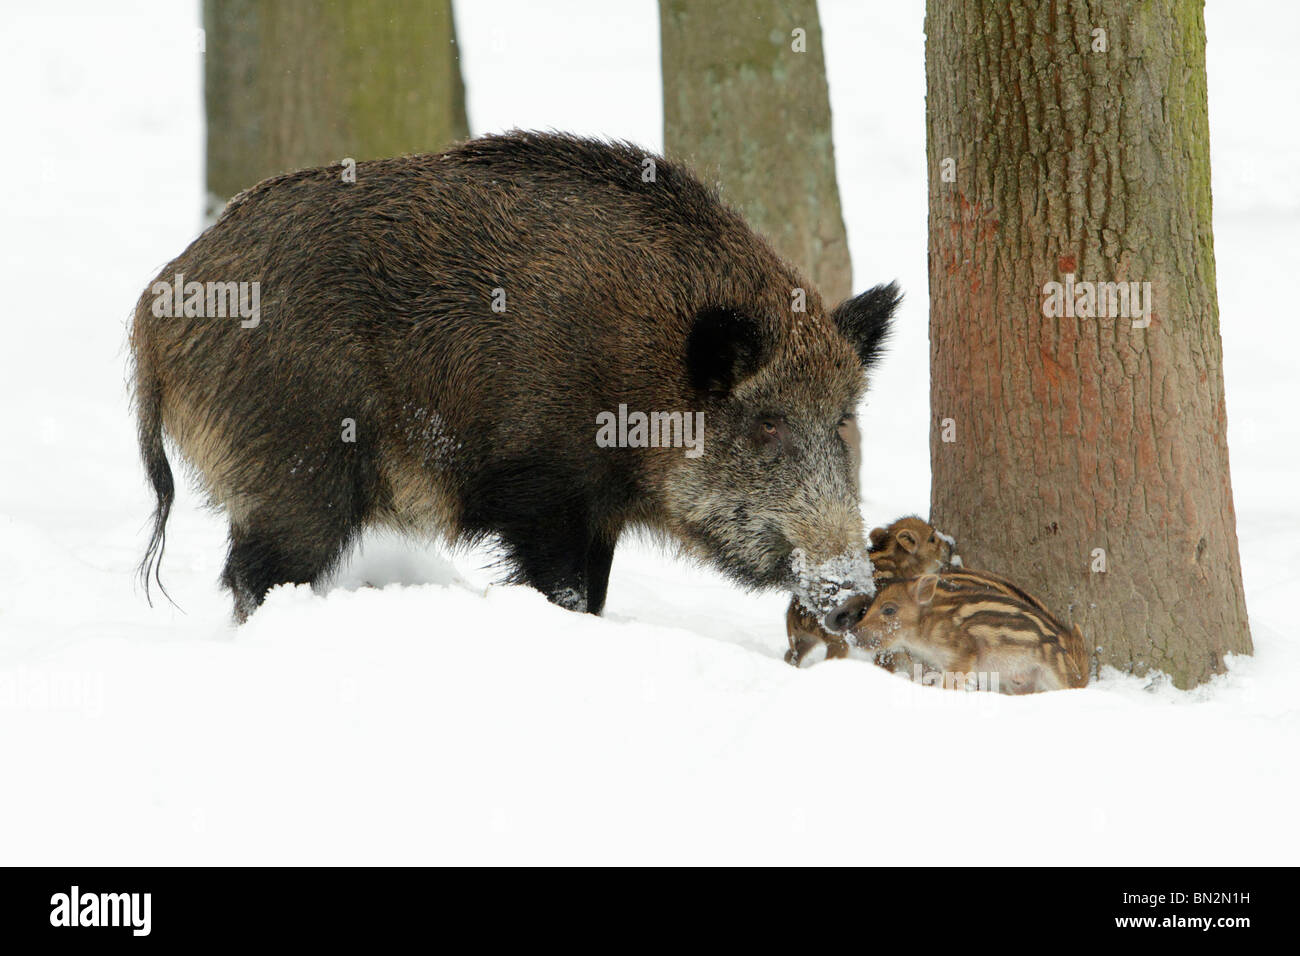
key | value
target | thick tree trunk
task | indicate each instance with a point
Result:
(291, 84)
(746, 102)
(1065, 436)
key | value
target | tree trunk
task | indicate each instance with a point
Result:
(294, 84)
(1067, 439)
(746, 103)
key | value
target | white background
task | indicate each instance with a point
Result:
(440, 720)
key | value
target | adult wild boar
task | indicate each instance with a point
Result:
(437, 343)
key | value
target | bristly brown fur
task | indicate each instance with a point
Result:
(376, 307)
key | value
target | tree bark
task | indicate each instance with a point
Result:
(292, 84)
(1082, 438)
(744, 108)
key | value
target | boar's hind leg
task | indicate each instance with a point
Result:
(266, 553)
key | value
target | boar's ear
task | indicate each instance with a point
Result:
(907, 540)
(864, 320)
(878, 538)
(724, 347)
(926, 585)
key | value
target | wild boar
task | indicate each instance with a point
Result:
(508, 341)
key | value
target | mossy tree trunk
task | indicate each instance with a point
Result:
(746, 103)
(1077, 449)
(291, 84)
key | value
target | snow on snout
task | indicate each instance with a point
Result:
(825, 585)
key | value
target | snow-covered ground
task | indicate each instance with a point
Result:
(438, 719)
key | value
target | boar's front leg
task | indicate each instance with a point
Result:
(600, 555)
(568, 563)
(547, 525)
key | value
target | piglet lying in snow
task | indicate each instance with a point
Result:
(929, 612)
(972, 630)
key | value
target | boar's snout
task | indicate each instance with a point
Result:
(822, 586)
(847, 614)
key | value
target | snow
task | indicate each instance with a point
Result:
(437, 717)
(822, 586)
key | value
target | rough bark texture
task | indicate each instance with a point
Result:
(1074, 434)
(749, 112)
(292, 84)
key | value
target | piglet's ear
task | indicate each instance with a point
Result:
(878, 538)
(926, 585)
(724, 347)
(864, 320)
(908, 541)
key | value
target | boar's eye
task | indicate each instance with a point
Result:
(771, 433)
(889, 610)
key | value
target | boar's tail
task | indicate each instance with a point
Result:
(149, 413)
